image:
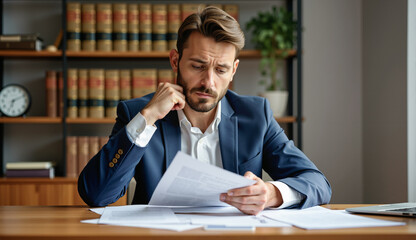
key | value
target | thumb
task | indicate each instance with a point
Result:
(251, 175)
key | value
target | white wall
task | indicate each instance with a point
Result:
(384, 101)
(332, 77)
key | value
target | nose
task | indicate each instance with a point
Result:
(208, 79)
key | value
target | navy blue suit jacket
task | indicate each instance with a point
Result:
(250, 140)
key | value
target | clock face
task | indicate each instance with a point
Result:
(14, 100)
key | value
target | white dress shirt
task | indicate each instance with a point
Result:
(203, 146)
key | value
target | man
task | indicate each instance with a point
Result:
(200, 116)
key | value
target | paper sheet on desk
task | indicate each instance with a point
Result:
(138, 214)
(323, 218)
(189, 182)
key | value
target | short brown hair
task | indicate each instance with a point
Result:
(211, 22)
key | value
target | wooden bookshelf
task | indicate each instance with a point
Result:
(286, 119)
(96, 54)
(90, 120)
(84, 54)
(58, 191)
(30, 120)
(30, 54)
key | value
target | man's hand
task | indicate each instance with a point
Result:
(253, 199)
(168, 97)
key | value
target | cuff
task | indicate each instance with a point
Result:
(139, 132)
(289, 195)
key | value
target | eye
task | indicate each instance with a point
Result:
(197, 67)
(221, 71)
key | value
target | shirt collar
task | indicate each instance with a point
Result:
(184, 122)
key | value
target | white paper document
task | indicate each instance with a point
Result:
(231, 220)
(143, 214)
(323, 218)
(218, 210)
(189, 182)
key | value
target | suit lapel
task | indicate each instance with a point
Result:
(171, 133)
(228, 137)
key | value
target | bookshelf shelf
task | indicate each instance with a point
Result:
(89, 120)
(37, 54)
(46, 120)
(96, 54)
(85, 54)
(286, 119)
(56, 180)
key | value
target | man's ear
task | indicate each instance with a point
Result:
(235, 66)
(174, 60)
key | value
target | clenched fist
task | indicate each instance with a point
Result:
(168, 97)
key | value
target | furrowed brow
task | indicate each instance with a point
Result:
(198, 60)
(224, 66)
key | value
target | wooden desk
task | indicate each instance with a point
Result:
(29, 222)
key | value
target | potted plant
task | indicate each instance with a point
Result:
(273, 34)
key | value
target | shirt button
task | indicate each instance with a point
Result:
(111, 164)
(117, 156)
(120, 151)
(115, 160)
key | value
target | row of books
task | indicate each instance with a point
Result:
(95, 93)
(80, 149)
(128, 27)
(30, 169)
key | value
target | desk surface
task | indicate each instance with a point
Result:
(25, 222)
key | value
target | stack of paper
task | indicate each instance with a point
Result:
(187, 197)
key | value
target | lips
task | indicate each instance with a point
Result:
(204, 95)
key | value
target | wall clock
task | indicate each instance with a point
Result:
(15, 100)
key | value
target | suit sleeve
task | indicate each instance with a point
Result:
(284, 162)
(106, 176)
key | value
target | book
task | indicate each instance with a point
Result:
(174, 22)
(71, 156)
(218, 5)
(159, 27)
(231, 9)
(94, 146)
(104, 27)
(19, 37)
(145, 27)
(125, 84)
(165, 75)
(72, 93)
(96, 93)
(83, 93)
(60, 94)
(28, 165)
(88, 27)
(102, 141)
(73, 26)
(143, 82)
(51, 93)
(35, 45)
(48, 173)
(133, 27)
(112, 92)
(190, 8)
(83, 153)
(120, 27)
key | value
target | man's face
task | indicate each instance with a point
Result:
(205, 71)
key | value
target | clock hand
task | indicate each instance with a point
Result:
(13, 100)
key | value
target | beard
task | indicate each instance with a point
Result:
(199, 105)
